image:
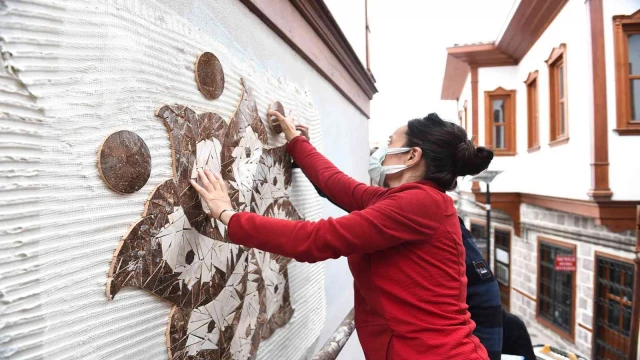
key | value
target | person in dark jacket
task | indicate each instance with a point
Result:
(483, 297)
(483, 293)
(516, 339)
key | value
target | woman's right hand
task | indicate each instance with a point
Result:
(286, 123)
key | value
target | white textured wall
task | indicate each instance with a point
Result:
(562, 171)
(75, 71)
(624, 170)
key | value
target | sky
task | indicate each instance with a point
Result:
(408, 43)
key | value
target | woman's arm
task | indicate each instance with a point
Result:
(411, 213)
(403, 217)
(345, 192)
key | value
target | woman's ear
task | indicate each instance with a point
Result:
(415, 155)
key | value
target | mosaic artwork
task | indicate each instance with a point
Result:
(124, 162)
(226, 297)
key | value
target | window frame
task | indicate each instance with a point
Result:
(557, 59)
(533, 112)
(624, 25)
(596, 272)
(508, 231)
(566, 246)
(509, 121)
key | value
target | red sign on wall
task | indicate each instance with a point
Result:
(565, 263)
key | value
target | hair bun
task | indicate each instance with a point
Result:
(472, 160)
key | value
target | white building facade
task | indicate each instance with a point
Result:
(555, 97)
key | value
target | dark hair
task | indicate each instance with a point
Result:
(447, 150)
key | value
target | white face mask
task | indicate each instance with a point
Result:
(379, 172)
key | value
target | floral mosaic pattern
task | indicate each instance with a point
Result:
(226, 297)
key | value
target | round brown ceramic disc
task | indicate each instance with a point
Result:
(124, 162)
(209, 75)
(273, 121)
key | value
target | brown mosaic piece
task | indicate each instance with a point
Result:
(226, 297)
(209, 75)
(124, 162)
(273, 121)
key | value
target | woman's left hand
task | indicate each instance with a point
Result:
(214, 192)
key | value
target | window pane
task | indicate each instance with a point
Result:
(614, 316)
(498, 137)
(561, 81)
(534, 102)
(635, 99)
(613, 309)
(502, 274)
(628, 284)
(498, 111)
(626, 320)
(615, 277)
(634, 54)
(535, 126)
(502, 239)
(562, 119)
(533, 136)
(502, 256)
(556, 287)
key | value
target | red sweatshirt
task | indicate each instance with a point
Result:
(405, 252)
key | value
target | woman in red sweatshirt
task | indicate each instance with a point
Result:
(402, 238)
